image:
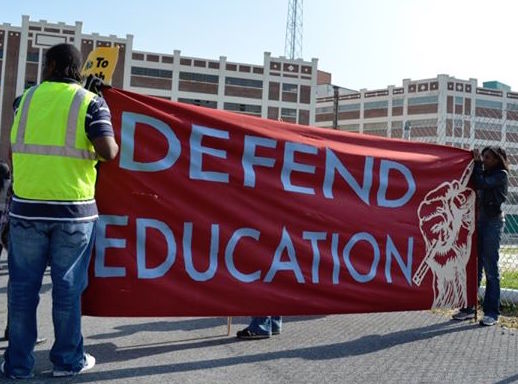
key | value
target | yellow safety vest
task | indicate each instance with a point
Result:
(52, 156)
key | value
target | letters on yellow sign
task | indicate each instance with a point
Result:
(101, 63)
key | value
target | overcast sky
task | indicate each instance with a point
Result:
(363, 43)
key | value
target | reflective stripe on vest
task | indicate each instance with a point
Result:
(69, 150)
(53, 159)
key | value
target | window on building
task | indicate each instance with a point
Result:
(321, 110)
(375, 105)
(481, 103)
(243, 108)
(397, 102)
(374, 126)
(510, 106)
(423, 100)
(350, 127)
(287, 87)
(289, 92)
(288, 113)
(423, 123)
(152, 72)
(239, 82)
(200, 77)
(33, 57)
(201, 103)
(511, 129)
(348, 107)
(459, 100)
(488, 126)
(1, 53)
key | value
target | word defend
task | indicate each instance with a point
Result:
(210, 213)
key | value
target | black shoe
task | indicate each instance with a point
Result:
(247, 334)
(464, 314)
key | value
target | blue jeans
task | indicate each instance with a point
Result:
(489, 235)
(267, 324)
(66, 247)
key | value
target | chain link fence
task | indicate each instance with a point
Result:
(492, 127)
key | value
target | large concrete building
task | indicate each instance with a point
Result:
(442, 110)
(278, 88)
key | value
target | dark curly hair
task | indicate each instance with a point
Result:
(500, 154)
(5, 172)
(67, 61)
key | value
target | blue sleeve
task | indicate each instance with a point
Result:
(16, 104)
(98, 119)
(491, 181)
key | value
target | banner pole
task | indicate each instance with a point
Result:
(229, 323)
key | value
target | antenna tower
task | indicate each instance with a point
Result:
(293, 42)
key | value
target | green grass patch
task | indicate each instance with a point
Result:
(509, 310)
(509, 279)
(508, 250)
(509, 315)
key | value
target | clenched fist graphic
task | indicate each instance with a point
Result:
(447, 222)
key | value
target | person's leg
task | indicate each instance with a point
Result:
(490, 256)
(468, 313)
(262, 325)
(259, 328)
(480, 250)
(6, 331)
(276, 325)
(70, 248)
(28, 252)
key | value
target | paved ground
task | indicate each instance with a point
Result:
(405, 347)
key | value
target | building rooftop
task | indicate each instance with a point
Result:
(496, 85)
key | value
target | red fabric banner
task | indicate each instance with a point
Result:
(209, 213)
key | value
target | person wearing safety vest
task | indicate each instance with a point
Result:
(60, 131)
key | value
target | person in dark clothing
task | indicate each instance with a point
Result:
(490, 176)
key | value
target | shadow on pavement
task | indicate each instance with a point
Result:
(185, 325)
(108, 352)
(509, 380)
